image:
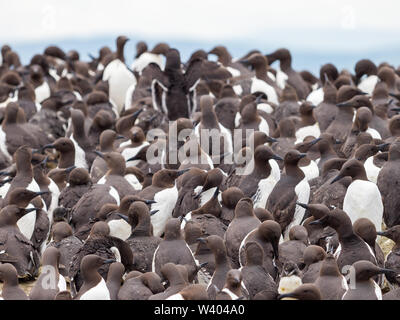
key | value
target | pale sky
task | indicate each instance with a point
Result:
(27, 20)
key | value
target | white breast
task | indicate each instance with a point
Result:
(307, 131)
(176, 296)
(119, 80)
(227, 138)
(265, 107)
(302, 191)
(133, 181)
(374, 134)
(120, 228)
(368, 84)
(265, 187)
(128, 96)
(165, 203)
(230, 293)
(258, 85)
(275, 171)
(98, 292)
(238, 89)
(3, 145)
(316, 96)
(145, 59)
(311, 171)
(55, 193)
(281, 78)
(26, 224)
(62, 284)
(289, 284)
(188, 217)
(42, 92)
(114, 193)
(263, 126)
(131, 152)
(371, 169)
(363, 200)
(80, 158)
(233, 71)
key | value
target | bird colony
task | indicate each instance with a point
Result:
(205, 179)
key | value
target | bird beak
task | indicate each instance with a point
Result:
(215, 195)
(119, 137)
(312, 142)
(387, 271)
(381, 233)
(69, 169)
(302, 155)
(382, 146)
(122, 216)
(153, 212)
(343, 104)
(31, 209)
(149, 201)
(47, 146)
(202, 265)
(100, 154)
(337, 178)
(276, 157)
(271, 140)
(320, 221)
(303, 205)
(41, 192)
(275, 247)
(202, 240)
(132, 158)
(107, 261)
(136, 113)
(181, 172)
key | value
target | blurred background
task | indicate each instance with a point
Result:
(316, 32)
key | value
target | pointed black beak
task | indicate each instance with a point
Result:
(245, 62)
(216, 193)
(382, 146)
(181, 172)
(276, 157)
(31, 209)
(69, 169)
(337, 178)
(303, 205)
(149, 201)
(152, 212)
(122, 216)
(100, 154)
(132, 158)
(319, 221)
(136, 113)
(381, 233)
(47, 146)
(202, 240)
(312, 142)
(271, 140)
(343, 104)
(202, 265)
(107, 261)
(119, 137)
(41, 192)
(302, 155)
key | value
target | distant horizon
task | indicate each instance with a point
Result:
(311, 58)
